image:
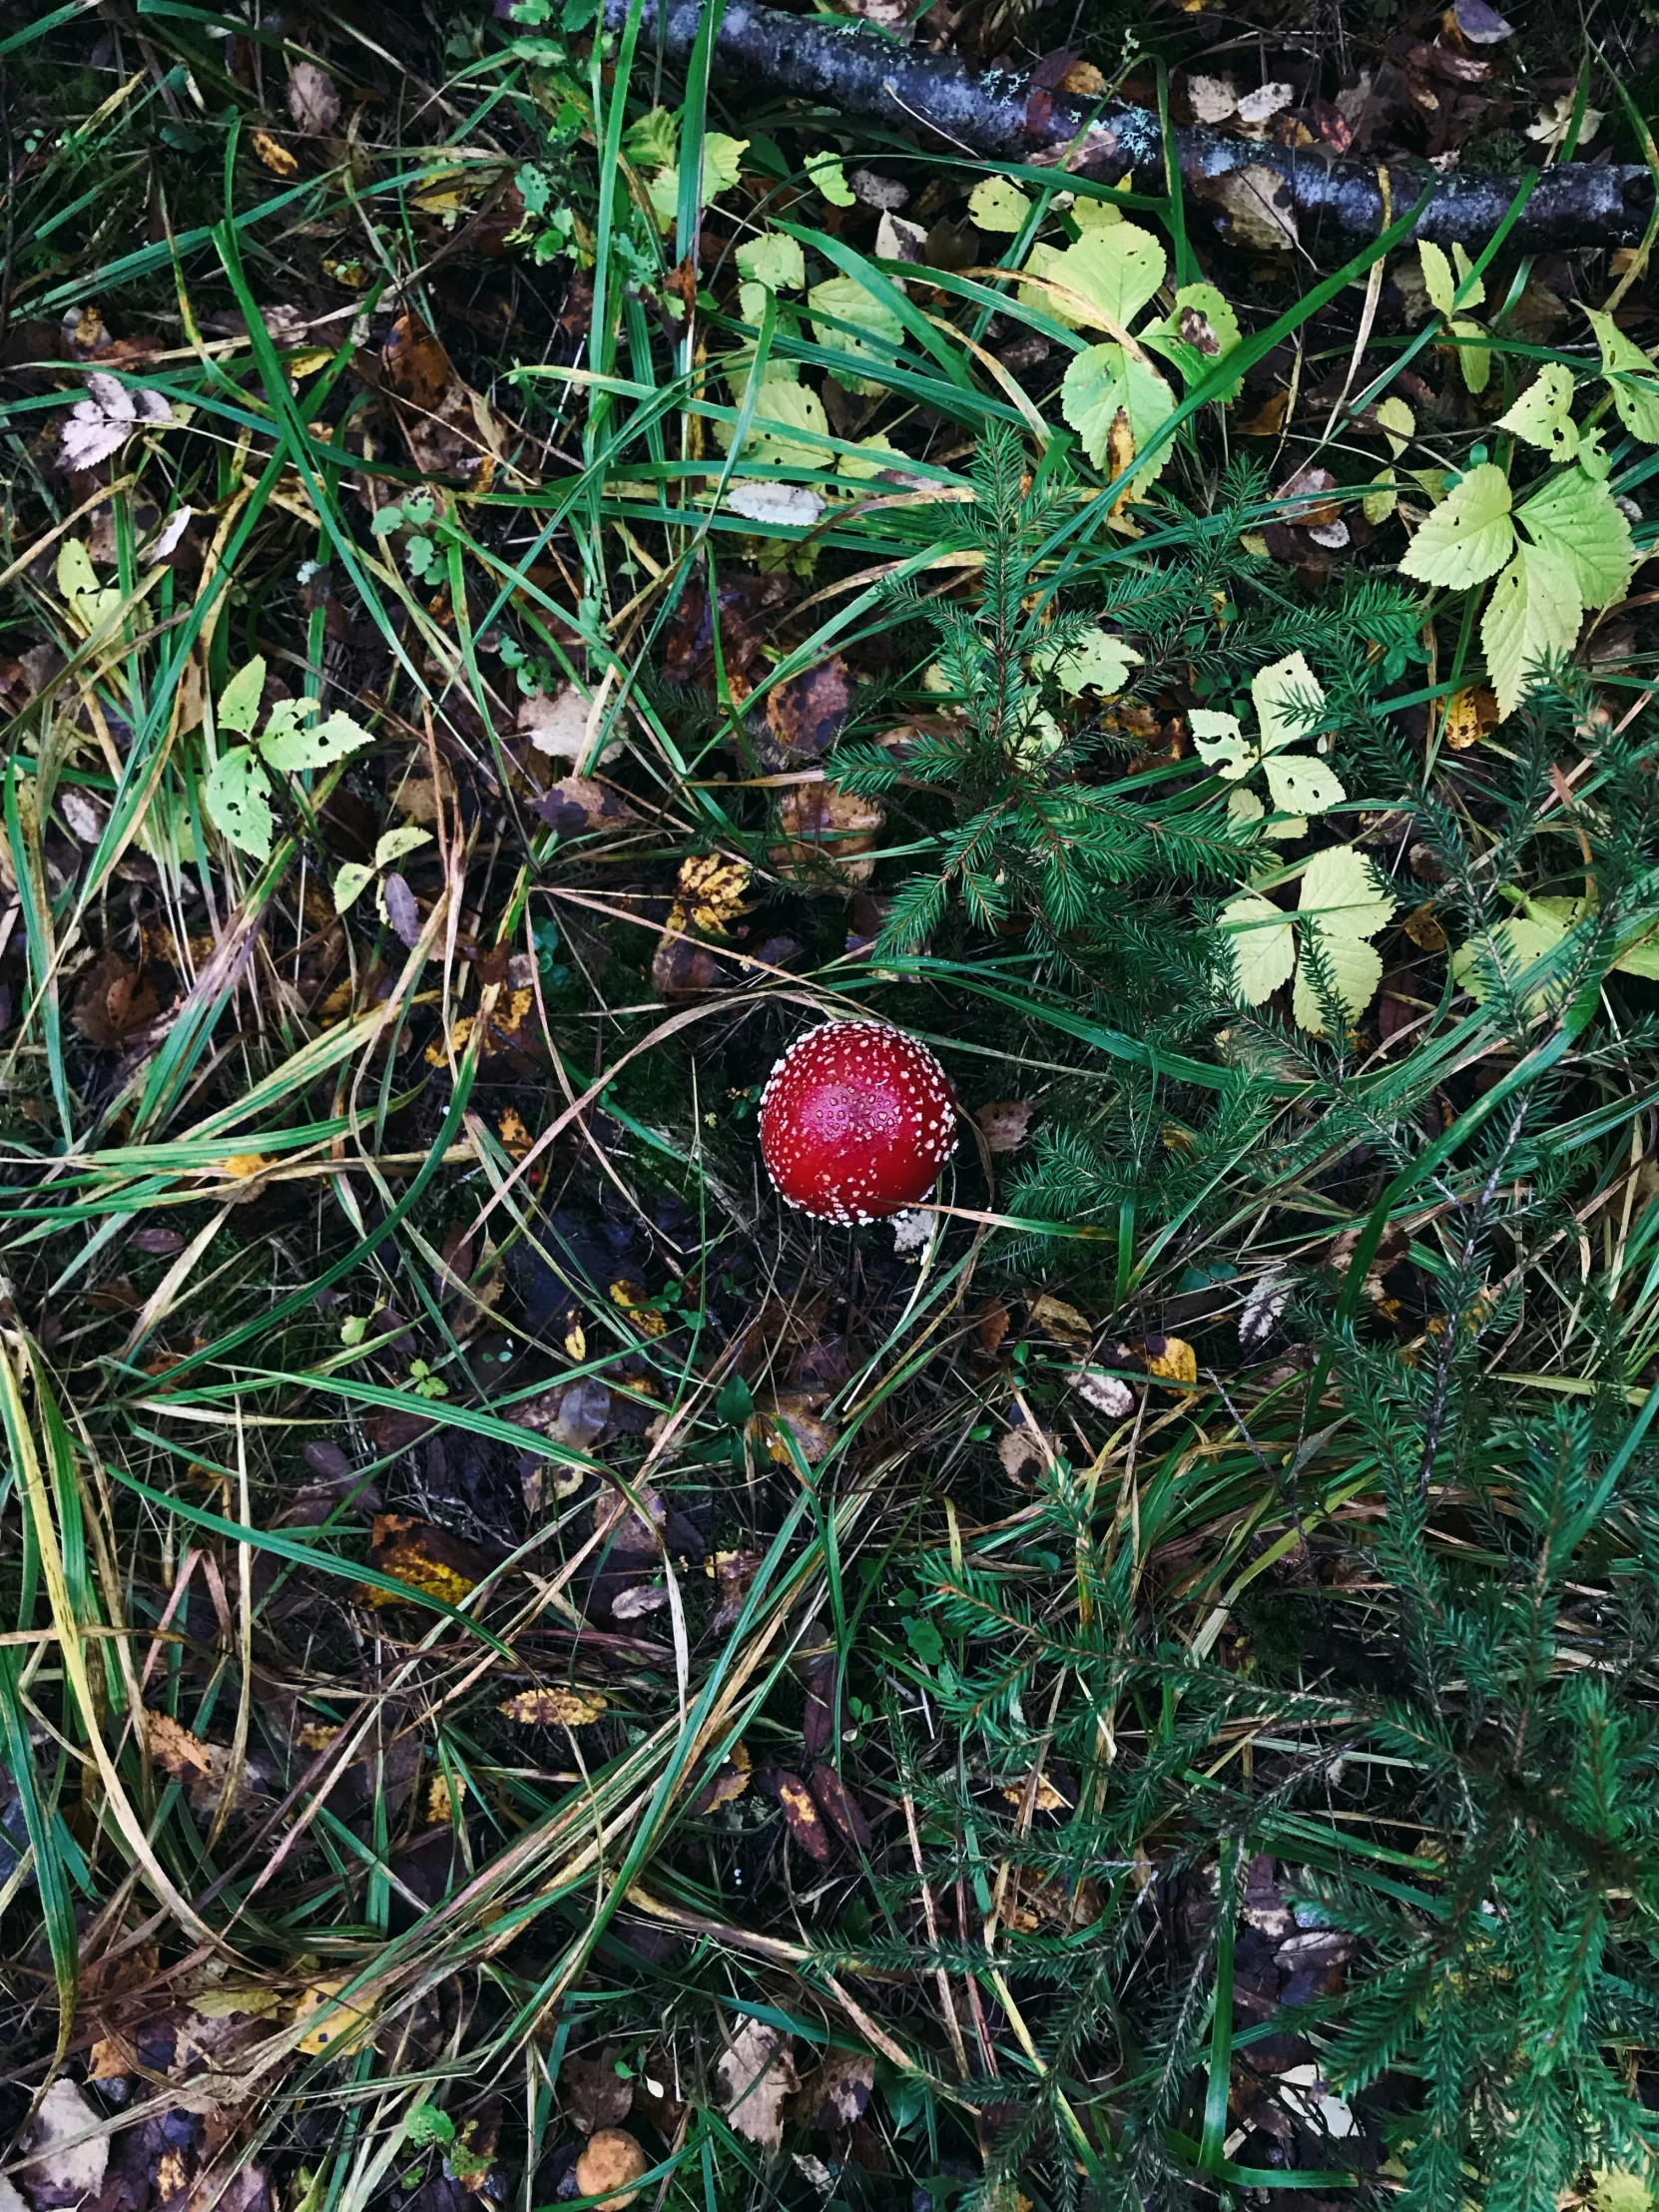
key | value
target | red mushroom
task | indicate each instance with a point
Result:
(856, 1120)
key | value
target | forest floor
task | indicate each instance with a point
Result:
(534, 574)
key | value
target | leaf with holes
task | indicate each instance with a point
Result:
(1468, 536)
(871, 329)
(1300, 785)
(1630, 378)
(1575, 518)
(1542, 415)
(237, 795)
(1284, 695)
(291, 743)
(239, 702)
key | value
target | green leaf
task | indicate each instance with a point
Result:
(996, 204)
(1355, 969)
(239, 702)
(720, 159)
(1630, 378)
(826, 172)
(775, 261)
(349, 883)
(1340, 895)
(1201, 330)
(654, 140)
(90, 603)
(1468, 536)
(1095, 661)
(1437, 279)
(1278, 691)
(844, 298)
(1112, 275)
(1262, 945)
(1513, 945)
(1104, 381)
(1397, 423)
(1300, 785)
(1574, 517)
(1474, 361)
(784, 405)
(396, 843)
(288, 743)
(1222, 743)
(1473, 293)
(1534, 611)
(238, 802)
(1542, 415)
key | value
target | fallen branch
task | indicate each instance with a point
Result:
(861, 72)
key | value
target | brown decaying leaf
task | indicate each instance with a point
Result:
(1269, 418)
(1004, 1121)
(577, 804)
(593, 2093)
(818, 1718)
(725, 1785)
(112, 1001)
(834, 2095)
(61, 2171)
(754, 2074)
(808, 714)
(840, 1807)
(424, 1556)
(1424, 930)
(830, 834)
(558, 1706)
(788, 1420)
(802, 1815)
(446, 426)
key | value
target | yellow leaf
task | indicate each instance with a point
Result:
(339, 2027)
(559, 1707)
(1061, 1321)
(632, 1299)
(273, 154)
(1170, 1358)
(708, 894)
(243, 1164)
(1469, 714)
(576, 1342)
(514, 1136)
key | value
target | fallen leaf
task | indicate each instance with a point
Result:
(778, 505)
(593, 2093)
(1020, 1452)
(556, 1707)
(241, 1167)
(1424, 930)
(708, 894)
(274, 154)
(725, 1785)
(611, 2161)
(840, 1807)
(1269, 1295)
(556, 722)
(1212, 99)
(1170, 1358)
(102, 422)
(1060, 1321)
(313, 99)
(339, 2028)
(1469, 714)
(836, 2092)
(801, 1817)
(912, 1228)
(577, 803)
(1553, 124)
(428, 1558)
(788, 1420)
(1005, 1122)
(1256, 205)
(1107, 1394)
(445, 424)
(992, 1324)
(755, 2073)
(1258, 107)
(1047, 1799)
(807, 714)
(832, 834)
(60, 2170)
(1269, 418)
(112, 1001)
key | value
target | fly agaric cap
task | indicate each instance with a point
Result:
(856, 1120)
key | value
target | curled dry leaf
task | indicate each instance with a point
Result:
(754, 2074)
(112, 1001)
(830, 833)
(559, 1706)
(102, 422)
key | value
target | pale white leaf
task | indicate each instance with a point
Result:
(1263, 944)
(1299, 785)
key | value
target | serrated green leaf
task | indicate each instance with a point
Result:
(1575, 518)
(1534, 611)
(1096, 661)
(1278, 691)
(1399, 424)
(238, 800)
(1299, 785)
(773, 260)
(1542, 415)
(396, 843)
(1468, 536)
(1262, 945)
(1342, 894)
(1513, 946)
(1474, 361)
(874, 327)
(1220, 743)
(239, 702)
(290, 744)
(90, 603)
(996, 204)
(1630, 378)
(349, 883)
(1111, 276)
(654, 140)
(1475, 293)
(1200, 331)
(1355, 969)
(783, 405)
(1104, 381)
